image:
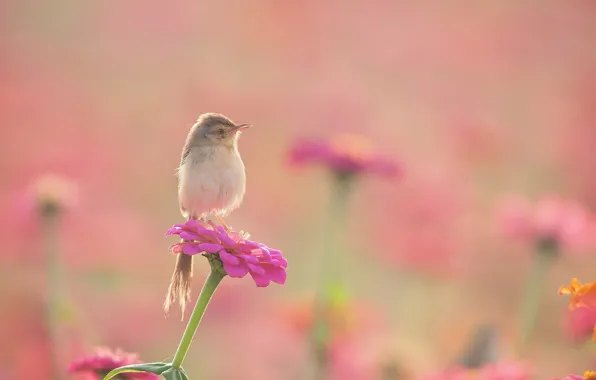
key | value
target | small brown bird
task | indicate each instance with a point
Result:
(211, 182)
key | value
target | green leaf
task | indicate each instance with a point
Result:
(175, 374)
(157, 368)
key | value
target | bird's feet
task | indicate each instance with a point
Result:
(220, 220)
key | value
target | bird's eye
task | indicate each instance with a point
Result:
(220, 132)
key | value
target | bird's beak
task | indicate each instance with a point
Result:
(241, 127)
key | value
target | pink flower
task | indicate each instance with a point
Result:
(104, 360)
(497, 371)
(506, 371)
(551, 220)
(238, 255)
(580, 322)
(450, 374)
(52, 193)
(588, 375)
(344, 154)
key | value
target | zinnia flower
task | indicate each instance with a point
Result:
(450, 374)
(552, 221)
(238, 255)
(497, 371)
(104, 360)
(52, 193)
(506, 371)
(581, 294)
(581, 323)
(345, 154)
(581, 320)
(588, 375)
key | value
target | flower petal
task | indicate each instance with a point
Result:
(277, 275)
(282, 262)
(236, 271)
(210, 247)
(575, 285)
(227, 241)
(192, 224)
(176, 248)
(187, 235)
(256, 269)
(173, 231)
(250, 259)
(209, 235)
(191, 248)
(261, 281)
(227, 258)
(564, 290)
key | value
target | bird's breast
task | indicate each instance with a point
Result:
(211, 181)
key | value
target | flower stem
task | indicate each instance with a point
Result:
(50, 222)
(330, 291)
(530, 307)
(213, 280)
(338, 218)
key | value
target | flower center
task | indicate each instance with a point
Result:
(353, 146)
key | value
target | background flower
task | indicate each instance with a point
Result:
(344, 154)
(551, 219)
(104, 360)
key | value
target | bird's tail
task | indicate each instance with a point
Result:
(179, 289)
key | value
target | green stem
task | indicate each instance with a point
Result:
(530, 307)
(50, 221)
(330, 290)
(337, 225)
(209, 287)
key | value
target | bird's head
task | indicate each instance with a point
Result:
(216, 129)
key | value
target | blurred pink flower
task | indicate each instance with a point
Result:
(506, 371)
(52, 193)
(239, 255)
(588, 375)
(104, 360)
(552, 220)
(450, 374)
(581, 319)
(344, 154)
(579, 323)
(497, 371)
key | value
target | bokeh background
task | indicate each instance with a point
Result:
(477, 100)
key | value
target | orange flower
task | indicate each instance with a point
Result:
(583, 308)
(581, 294)
(590, 375)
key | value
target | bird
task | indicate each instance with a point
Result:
(211, 182)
